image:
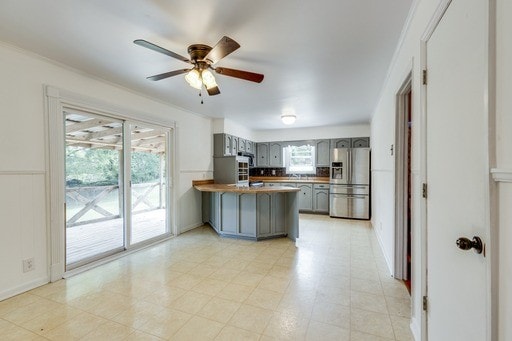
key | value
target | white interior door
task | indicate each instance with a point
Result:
(457, 173)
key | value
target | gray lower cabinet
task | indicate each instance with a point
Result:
(321, 198)
(305, 197)
(229, 213)
(252, 216)
(271, 214)
(212, 209)
(247, 215)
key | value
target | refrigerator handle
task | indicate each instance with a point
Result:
(349, 169)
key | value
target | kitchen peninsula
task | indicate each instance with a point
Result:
(250, 212)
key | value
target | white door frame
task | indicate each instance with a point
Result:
(401, 147)
(491, 206)
(56, 100)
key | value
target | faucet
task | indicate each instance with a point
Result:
(292, 176)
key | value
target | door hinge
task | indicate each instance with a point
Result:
(425, 303)
(424, 191)
(424, 77)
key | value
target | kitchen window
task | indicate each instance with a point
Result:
(299, 159)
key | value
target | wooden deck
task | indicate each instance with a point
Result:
(89, 240)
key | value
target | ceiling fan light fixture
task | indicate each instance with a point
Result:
(208, 79)
(193, 79)
(288, 118)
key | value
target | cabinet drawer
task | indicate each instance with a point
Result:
(321, 186)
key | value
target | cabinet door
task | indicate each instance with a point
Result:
(340, 143)
(214, 210)
(360, 142)
(241, 145)
(234, 145)
(276, 154)
(278, 213)
(305, 197)
(321, 200)
(229, 213)
(227, 144)
(247, 212)
(263, 211)
(262, 154)
(323, 149)
(249, 146)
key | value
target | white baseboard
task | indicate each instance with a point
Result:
(24, 287)
(415, 328)
(388, 261)
(190, 227)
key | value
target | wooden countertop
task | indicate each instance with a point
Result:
(249, 190)
(284, 179)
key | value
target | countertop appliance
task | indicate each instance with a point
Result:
(349, 195)
(231, 170)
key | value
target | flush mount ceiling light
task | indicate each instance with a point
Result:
(288, 117)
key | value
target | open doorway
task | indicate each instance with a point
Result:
(403, 209)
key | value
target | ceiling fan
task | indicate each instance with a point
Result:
(202, 58)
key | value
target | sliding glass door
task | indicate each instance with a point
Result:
(94, 187)
(148, 182)
(116, 196)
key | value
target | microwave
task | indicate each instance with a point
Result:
(250, 156)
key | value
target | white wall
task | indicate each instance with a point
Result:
(383, 136)
(312, 133)
(504, 161)
(406, 59)
(227, 126)
(23, 164)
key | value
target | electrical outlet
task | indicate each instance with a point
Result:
(273, 172)
(261, 171)
(28, 264)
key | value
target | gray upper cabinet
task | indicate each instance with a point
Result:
(323, 151)
(221, 145)
(241, 144)
(249, 146)
(262, 154)
(234, 145)
(360, 142)
(340, 143)
(275, 154)
(305, 197)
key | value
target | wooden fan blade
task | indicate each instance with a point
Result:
(213, 91)
(248, 76)
(224, 47)
(168, 74)
(151, 46)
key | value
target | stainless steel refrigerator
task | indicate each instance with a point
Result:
(349, 195)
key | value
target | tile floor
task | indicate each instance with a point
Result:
(333, 286)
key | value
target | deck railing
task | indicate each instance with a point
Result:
(90, 204)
